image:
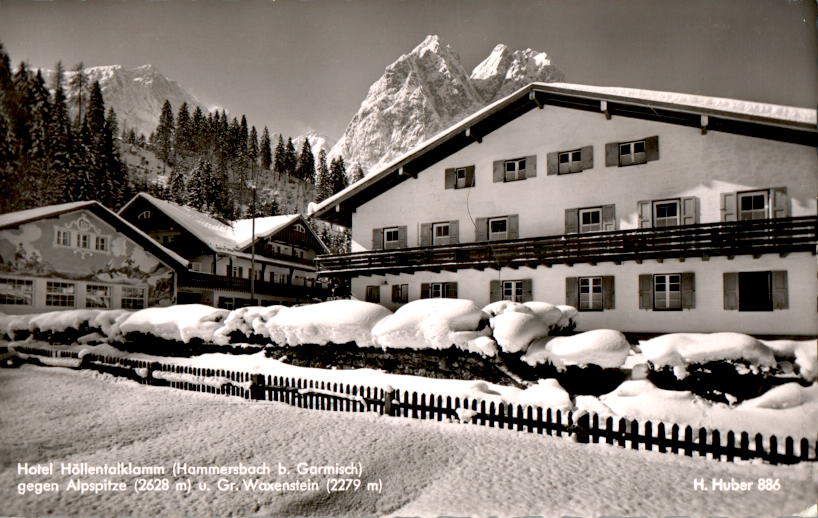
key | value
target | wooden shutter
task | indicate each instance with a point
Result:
(402, 237)
(609, 217)
(780, 290)
(396, 293)
(612, 154)
(531, 166)
(690, 212)
(527, 290)
(513, 226)
(470, 176)
(652, 148)
(645, 213)
(587, 153)
(571, 221)
(730, 290)
(688, 290)
(494, 291)
(645, 291)
(779, 203)
(481, 232)
(728, 206)
(451, 290)
(608, 293)
(454, 232)
(552, 163)
(425, 234)
(572, 291)
(377, 239)
(499, 170)
(424, 290)
(449, 178)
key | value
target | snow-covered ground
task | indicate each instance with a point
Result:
(426, 468)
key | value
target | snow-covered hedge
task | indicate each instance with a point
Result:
(603, 347)
(180, 323)
(336, 321)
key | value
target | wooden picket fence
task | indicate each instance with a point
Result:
(583, 427)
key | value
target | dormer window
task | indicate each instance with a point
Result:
(299, 228)
(145, 214)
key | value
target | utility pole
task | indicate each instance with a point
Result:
(253, 243)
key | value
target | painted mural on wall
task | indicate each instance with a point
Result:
(78, 246)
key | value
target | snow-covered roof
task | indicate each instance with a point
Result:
(13, 219)
(217, 235)
(789, 117)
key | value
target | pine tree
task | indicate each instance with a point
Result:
(243, 136)
(306, 162)
(177, 187)
(116, 173)
(78, 85)
(338, 175)
(252, 146)
(323, 181)
(182, 134)
(199, 129)
(279, 162)
(266, 152)
(199, 186)
(290, 158)
(60, 134)
(164, 133)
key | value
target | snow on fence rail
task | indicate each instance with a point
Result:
(584, 427)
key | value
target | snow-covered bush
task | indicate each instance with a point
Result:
(804, 354)
(514, 330)
(108, 323)
(181, 323)
(605, 348)
(239, 325)
(336, 321)
(434, 324)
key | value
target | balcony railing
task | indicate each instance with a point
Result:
(781, 235)
(223, 282)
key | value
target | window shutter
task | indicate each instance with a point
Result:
(571, 221)
(728, 206)
(402, 237)
(652, 149)
(609, 217)
(425, 234)
(449, 178)
(552, 164)
(645, 291)
(645, 213)
(690, 213)
(531, 166)
(454, 232)
(513, 226)
(780, 291)
(494, 291)
(470, 176)
(612, 154)
(527, 290)
(481, 233)
(688, 290)
(377, 239)
(499, 170)
(451, 290)
(608, 293)
(572, 291)
(780, 205)
(424, 290)
(730, 290)
(396, 293)
(587, 157)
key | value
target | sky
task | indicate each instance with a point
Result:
(295, 65)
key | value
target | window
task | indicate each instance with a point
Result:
(631, 153)
(133, 298)
(514, 170)
(299, 228)
(590, 293)
(513, 291)
(753, 205)
(63, 238)
(83, 241)
(227, 303)
(145, 214)
(755, 291)
(97, 296)
(436, 290)
(498, 228)
(101, 243)
(195, 267)
(441, 233)
(667, 291)
(590, 220)
(17, 292)
(665, 213)
(390, 236)
(570, 162)
(60, 294)
(237, 271)
(400, 293)
(460, 178)
(373, 294)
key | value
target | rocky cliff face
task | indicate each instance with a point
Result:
(427, 90)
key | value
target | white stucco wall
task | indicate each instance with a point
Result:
(690, 164)
(708, 315)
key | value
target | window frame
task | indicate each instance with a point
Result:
(591, 302)
(145, 214)
(458, 184)
(10, 297)
(671, 302)
(403, 295)
(748, 194)
(514, 175)
(130, 298)
(489, 233)
(58, 298)
(438, 240)
(108, 297)
(574, 166)
(516, 289)
(589, 210)
(388, 230)
(373, 294)
(744, 304)
(655, 218)
(298, 227)
(632, 157)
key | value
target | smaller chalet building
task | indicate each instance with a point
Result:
(220, 255)
(651, 212)
(81, 255)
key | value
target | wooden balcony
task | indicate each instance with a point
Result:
(223, 282)
(780, 236)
